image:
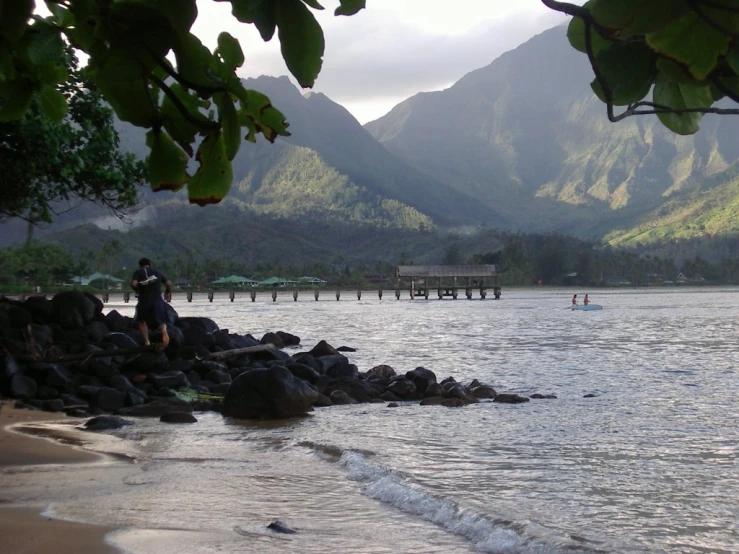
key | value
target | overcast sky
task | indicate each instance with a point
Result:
(394, 48)
(391, 50)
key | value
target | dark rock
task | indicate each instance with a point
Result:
(177, 417)
(392, 405)
(116, 322)
(43, 336)
(108, 399)
(106, 422)
(339, 397)
(589, 395)
(453, 390)
(346, 349)
(309, 360)
(543, 396)
(73, 309)
(323, 401)
(288, 339)
(47, 393)
(280, 527)
(389, 397)
(448, 380)
(147, 362)
(323, 349)
(274, 339)
(193, 352)
(96, 302)
(8, 368)
(382, 370)
(434, 389)
(220, 388)
(169, 379)
(53, 405)
(361, 391)
(510, 398)
(268, 394)
(223, 340)
(483, 391)
(41, 308)
(218, 376)
(21, 386)
(120, 382)
(422, 378)
(196, 336)
(402, 388)
(204, 323)
(19, 318)
(208, 366)
(72, 400)
(304, 372)
(157, 407)
(135, 397)
(96, 331)
(120, 340)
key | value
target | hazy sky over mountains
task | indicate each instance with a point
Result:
(394, 48)
(391, 50)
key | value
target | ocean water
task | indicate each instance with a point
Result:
(648, 463)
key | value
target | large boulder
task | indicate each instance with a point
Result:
(73, 309)
(204, 323)
(422, 378)
(361, 391)
(268, 394)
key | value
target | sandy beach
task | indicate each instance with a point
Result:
(23, 528)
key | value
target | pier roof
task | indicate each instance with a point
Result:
(490, 270)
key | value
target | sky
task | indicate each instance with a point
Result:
(393, 49)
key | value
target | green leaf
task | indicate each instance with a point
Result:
(195, 63)
(45, 44)
(51, 73)
(230, 51)
(576, 36)
(52, 103)
(628, 69)
(180, 13)
(15, 98)
(14, 16)
(259, 12)
(637, 17)
(212, 181)
(230, 122)
(314, 4)
(166, 163)
(62, 16)
(693, 42)
(350, 7)
(679, 96)
(181, 129)
(674, 71)
(132, 101)
(732, 58)
(301, 41)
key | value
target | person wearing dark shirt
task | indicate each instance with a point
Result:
(151, 310)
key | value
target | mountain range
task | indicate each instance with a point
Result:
(521, 144)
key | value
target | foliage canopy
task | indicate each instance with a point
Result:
(685, 51)
(157, 75)
(44, 160)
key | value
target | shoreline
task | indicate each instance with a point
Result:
(23, 527)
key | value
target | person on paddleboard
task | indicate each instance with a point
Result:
(574, 302)
(147, 283)
(585, 300)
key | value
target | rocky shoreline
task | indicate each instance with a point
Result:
(64, 355)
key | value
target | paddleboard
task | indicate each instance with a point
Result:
(587, 308)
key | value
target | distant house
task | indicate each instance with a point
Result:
(314, 281)
(681, 278)
(274, 282)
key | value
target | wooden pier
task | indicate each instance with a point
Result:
(448, 280)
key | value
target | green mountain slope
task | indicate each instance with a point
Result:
(526, 135)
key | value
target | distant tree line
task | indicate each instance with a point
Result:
(524, 260)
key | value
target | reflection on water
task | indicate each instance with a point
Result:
(648, 464)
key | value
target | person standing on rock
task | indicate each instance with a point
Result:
(150, 309)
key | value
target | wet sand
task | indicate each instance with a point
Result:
(22, 527)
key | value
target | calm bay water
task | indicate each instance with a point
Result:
(649, 464)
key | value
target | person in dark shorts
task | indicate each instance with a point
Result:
(151, 310)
